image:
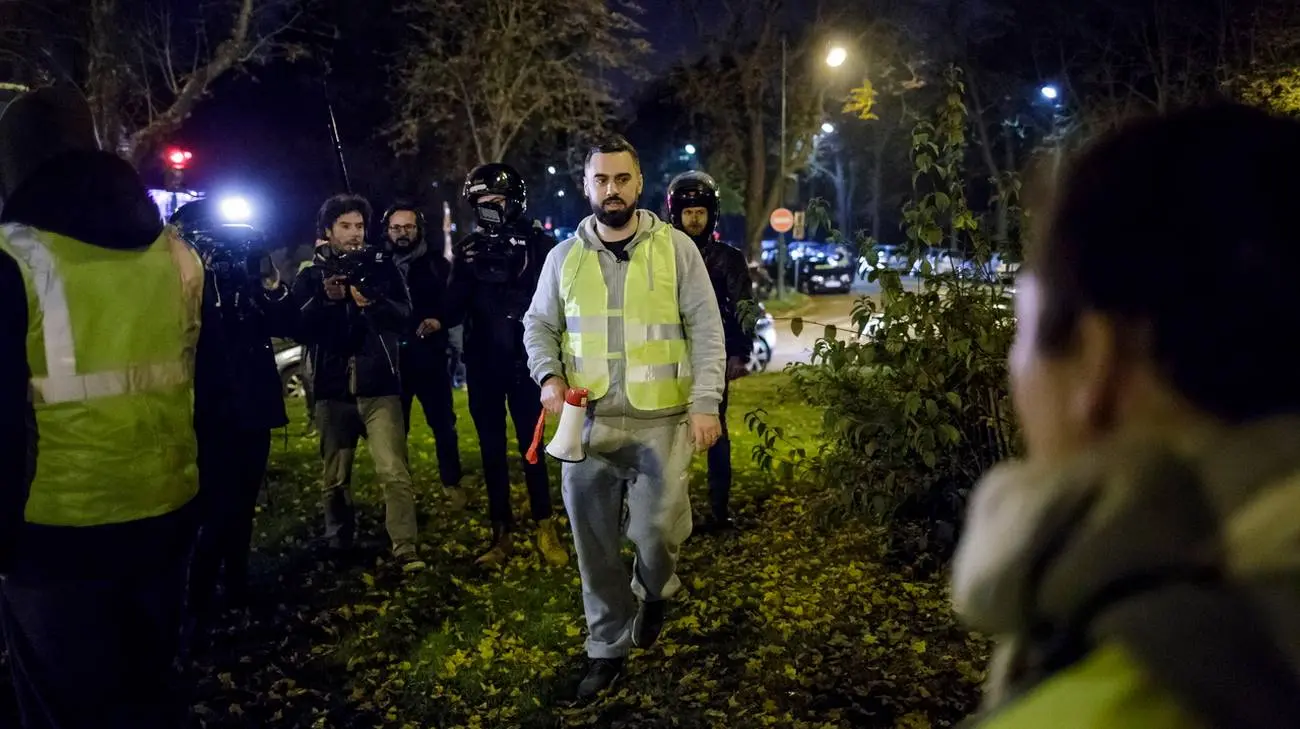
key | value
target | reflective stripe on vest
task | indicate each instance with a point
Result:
(110, 343)
(657, 370)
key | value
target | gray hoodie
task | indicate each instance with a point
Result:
(544, 322)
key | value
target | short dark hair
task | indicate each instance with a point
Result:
(612, 144)
(338, 206)
(1180, 227)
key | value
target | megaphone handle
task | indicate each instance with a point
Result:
(531, 456)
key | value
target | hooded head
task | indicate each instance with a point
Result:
(38, 127)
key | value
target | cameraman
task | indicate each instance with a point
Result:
(493, 276)
(236, 405)
(425, 373)
(354, 308)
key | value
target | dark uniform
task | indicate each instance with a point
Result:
(729, 274)
(494, 274)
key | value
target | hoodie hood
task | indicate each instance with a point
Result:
(646, 224)
(1185, 552)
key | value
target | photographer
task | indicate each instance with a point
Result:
(425, 374)
(493, 276)
(236, 405)
(354, 308)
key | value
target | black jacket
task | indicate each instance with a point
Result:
(245, 392)
(112, 210)
(426, 274)
(354, 351)
(731, 284)
(493, 277)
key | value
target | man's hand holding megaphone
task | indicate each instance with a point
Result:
(705, 429)
(553, 392)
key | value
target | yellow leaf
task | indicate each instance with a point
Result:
(368, 578)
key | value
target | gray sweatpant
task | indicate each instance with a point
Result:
(649, 466)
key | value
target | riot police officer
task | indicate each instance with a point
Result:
(693, 209)
(237, 405)
(494, 274)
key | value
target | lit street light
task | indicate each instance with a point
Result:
(1049, 92)
(690, 149)
(559, 193)
(828, 128)
(836, 57)
(550, 170)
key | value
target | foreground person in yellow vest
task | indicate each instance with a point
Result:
(1141, 569)
(99, 323)
(625, 309)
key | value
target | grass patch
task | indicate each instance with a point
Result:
(787, 623)
(792, 302)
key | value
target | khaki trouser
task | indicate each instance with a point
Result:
(340, 424)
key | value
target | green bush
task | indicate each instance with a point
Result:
(915, 399)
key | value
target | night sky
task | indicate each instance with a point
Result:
(265, 134)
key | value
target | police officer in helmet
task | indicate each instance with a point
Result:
(494, 274)
(693, 209)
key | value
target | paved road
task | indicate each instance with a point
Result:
(834, 309)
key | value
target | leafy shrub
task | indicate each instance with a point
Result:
(915, 399)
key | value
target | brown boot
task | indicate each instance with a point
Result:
(549, 544)
(502, 546)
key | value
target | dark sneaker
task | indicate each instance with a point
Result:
(409, 560)
(648, 623)
(601, 676)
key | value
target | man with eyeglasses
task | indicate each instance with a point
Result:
(424, 365)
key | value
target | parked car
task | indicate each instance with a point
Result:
(288, 360)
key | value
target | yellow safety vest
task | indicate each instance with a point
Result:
(1107, 690)
(111, 337)
(658, 370)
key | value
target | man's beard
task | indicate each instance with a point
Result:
(616, 218)
(405, 242)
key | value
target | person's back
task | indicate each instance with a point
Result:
(101, 310)
(1141, 568)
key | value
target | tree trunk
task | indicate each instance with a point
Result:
(843, 207)
(756, 191)
(877, 179)
(103, 77)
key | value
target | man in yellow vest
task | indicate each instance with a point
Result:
(99, 322)
(626, 310)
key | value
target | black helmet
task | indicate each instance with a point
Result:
(693, 189)
(420, 224)
(496, 179)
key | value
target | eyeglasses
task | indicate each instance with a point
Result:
(402, 228)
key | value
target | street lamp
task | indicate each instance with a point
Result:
(559, 193)
(835, 58)
(550, 170)
(690, 149)
(1049, 92)
(828, 128)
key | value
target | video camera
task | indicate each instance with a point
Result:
(370, 269)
